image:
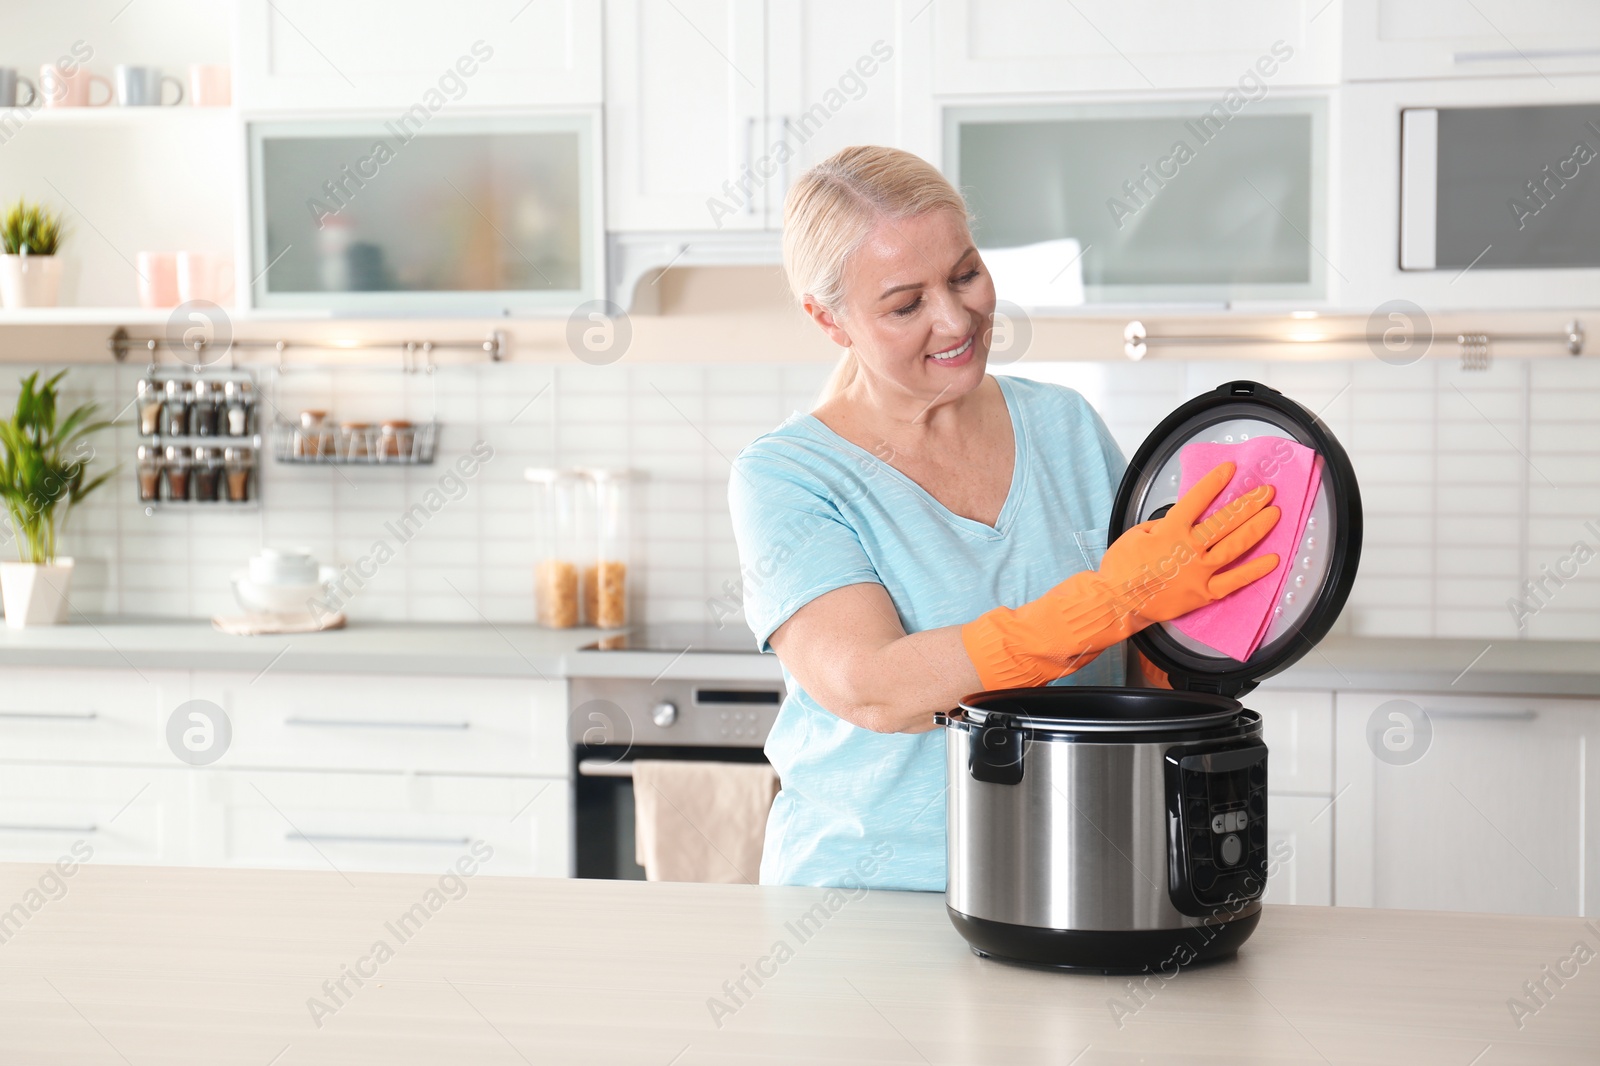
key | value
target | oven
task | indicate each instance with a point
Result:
(613, 721)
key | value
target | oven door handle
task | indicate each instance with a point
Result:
(603, 768)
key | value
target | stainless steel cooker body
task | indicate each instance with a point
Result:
(1122, 830)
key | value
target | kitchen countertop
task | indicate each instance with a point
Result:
(1381, 664)
(442, 649)
(204, 966)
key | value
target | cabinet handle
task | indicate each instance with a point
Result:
(363, 838)
(49, 829)
(356, 723)
(601, 768)
(750, 161)
(1526, 715)
(48, 716)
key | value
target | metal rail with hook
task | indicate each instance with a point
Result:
(494, 345)
(1474, 348)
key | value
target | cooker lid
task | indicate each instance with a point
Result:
(1086, 709)
(1321, 570)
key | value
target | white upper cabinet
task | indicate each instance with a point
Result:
(358, 54)
(714, 106)
(685, 96)
(1391, 39)
(1034, 46)
(845, 73)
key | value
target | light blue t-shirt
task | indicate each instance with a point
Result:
(813, 512)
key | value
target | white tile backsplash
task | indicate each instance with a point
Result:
(1471, 483)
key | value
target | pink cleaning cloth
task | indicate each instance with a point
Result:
(1236, 624)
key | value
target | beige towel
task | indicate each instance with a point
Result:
(255, 625)
(701, 821)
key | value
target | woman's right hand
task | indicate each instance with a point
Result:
(1156, 571)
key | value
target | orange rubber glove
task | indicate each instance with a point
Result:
(1156, 571)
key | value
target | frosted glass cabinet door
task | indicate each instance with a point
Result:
(1170, 202)
(471, 215)
(1507, 187)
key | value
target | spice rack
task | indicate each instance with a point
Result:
(390, 444)
(198, 440)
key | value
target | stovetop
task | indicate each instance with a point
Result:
(679, 637)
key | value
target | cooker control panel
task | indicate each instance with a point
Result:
(1216, 827)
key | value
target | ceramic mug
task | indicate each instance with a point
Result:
(205, 276)
(158, 279)
(71, 88)
(283, 566)
(10, 78)
(142, 86)
(210, 85)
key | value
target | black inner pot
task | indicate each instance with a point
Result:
(1092, 709)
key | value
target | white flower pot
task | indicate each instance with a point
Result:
(34, 594)
(30, 280)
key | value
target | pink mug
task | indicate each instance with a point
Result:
(158, 279)
(205, 276)
(210, 85)
(62, 87)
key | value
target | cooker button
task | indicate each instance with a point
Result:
(1219, 823)
(1240, 820)
(1231, 851)
(1204, 877)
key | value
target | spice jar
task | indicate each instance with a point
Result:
(605, 572)
(239, 403)
(175, 410)
(355, 441)
(179, 462)
(149, 469)
(148, 393)
(203, 409)
(556, 546)
(395, 441)
(207, 473)
(238, 464)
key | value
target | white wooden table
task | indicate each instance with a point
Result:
(144, 965)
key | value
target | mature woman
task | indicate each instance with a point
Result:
(929, 530)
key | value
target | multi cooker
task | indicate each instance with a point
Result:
(1125, 829)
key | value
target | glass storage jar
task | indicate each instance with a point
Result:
(558, 547)
(605, 572)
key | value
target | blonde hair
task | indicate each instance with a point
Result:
(833, 208)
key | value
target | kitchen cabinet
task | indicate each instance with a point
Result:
(397, 54)
(363, 772)
(1039, 46)
(1461, 803)
(700, 95)
(1299, 850)
(362, 722)
(1366, 245)
(1392, 39)
(97, 716)
(419, 823)
(118, 814)
(685, 92)
(1297, 726)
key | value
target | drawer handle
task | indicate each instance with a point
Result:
(87, 716)
(49, 829)
(356, 723)
(1484, 716)
(360, 838)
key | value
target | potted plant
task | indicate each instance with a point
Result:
(44, 466)
(30, 273)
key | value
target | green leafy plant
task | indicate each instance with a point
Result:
(31, 229)
(44, 466)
